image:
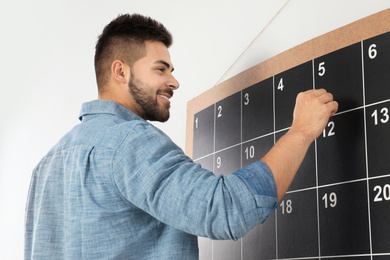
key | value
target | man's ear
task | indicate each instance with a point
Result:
(120, 71)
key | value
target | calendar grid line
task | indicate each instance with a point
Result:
(316, 169)
(241, 130)
(241, 143)
(361, 107)
(336, 184)
(365, 150)
(214, 139)
(281, 130)
(285, 129)
(377, 103)
(241, 98)
(332, 256)
(274, 135)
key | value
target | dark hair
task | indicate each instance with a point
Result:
(124, 39)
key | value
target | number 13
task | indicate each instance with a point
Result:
(385, 116)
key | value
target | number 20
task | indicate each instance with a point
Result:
(385, 191)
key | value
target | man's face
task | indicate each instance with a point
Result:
(151, 84)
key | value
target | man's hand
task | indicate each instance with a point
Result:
(311, 114)
(312, 111)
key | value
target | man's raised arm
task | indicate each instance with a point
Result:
(311, 114)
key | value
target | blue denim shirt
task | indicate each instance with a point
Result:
(116, 187)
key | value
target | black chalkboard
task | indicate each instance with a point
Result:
(338, 205)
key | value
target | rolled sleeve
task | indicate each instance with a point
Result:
(260, 181)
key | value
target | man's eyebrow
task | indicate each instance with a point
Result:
(166, 64)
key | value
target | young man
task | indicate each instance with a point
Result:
(115, 187)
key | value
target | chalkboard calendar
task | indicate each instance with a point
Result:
(338, 206)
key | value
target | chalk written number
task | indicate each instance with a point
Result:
(384, 118)
(372, 51)
(280, 85)
(246, 96)
(250, 152)
(382, 193)
(330, 200)
(219, 162)
(330, 129)
(286, 206)
(321, 69)
(219, 111)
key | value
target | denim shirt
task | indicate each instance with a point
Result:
(116, 187)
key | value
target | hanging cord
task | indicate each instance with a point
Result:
(250, 45)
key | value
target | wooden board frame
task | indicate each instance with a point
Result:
(360, 30)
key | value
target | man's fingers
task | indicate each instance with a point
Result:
(326, 97)
(333, 107)
(316, 92)
(322, 94)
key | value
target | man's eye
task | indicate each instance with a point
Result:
(161, 69)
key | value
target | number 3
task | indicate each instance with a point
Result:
(246, 102)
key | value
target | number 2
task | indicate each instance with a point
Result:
(219, 111)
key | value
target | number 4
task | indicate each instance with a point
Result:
(281, 86)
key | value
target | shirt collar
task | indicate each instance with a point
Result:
(101, 106)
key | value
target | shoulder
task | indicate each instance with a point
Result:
(145, 136)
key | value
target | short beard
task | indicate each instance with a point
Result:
(147, 103)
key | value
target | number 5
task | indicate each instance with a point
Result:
(321, 69)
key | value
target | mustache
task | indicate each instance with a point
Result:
(166, 91)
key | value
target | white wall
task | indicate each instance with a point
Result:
(46, 67)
